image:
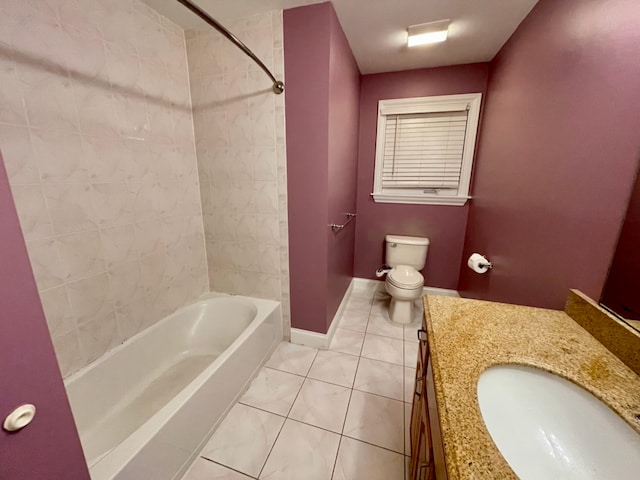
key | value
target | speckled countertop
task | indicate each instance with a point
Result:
(468, 336)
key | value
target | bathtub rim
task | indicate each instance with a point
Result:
(114, 351)
(108, 466)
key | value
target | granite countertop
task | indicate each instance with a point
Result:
(468, 336)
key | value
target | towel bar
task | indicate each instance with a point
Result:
(335, 227)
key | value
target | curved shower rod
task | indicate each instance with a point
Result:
(278, 86)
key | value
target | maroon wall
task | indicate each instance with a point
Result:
(443, 225)
(558, 152)
(322, 95)
(344, 115)
(621, 291)
(49, 447)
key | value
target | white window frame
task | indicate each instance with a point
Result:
(442, 103)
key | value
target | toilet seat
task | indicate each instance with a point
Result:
(405, 277)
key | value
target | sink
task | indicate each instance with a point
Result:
(547, 427)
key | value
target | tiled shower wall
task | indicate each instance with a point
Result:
(97, 135)
(240, 142)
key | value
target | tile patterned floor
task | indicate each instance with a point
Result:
(337, 414)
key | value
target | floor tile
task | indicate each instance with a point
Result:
(302, 452)
(380, 305)
(203, 469)
(347, 341)
(407, 429)
(381, 378)
(410, 354)
(292, 358)
(243, 439)
(381, 325)
(273, 390)
(409, 383)
(366, 290)
(354, 320)
(383, 348)
(407, 468)
(321, 404)
(359, 304)
(377, 420)
(334, 367)
(410, 332)
(360, 461)
(418, 310)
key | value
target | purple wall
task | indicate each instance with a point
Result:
(322, 114)
(443, 225)
(49, 447)
(558, 152)
(344, 117)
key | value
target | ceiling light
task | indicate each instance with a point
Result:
(432, 32)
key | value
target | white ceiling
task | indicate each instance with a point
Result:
(376, 29)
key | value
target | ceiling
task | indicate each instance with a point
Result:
(376, 29)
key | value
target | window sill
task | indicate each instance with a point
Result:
(419, 199)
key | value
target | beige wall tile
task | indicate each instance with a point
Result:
(97, 135)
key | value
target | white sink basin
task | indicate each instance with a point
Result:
(549, 428)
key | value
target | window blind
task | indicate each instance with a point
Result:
(424, 150)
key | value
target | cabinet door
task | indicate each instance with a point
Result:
(438, 461)
(421, 449)
(417, 403)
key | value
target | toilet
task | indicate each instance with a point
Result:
(405, 256)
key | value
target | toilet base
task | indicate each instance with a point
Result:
(401, 311)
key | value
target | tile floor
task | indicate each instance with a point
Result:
(337, 414)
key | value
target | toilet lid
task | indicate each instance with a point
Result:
(405, 277)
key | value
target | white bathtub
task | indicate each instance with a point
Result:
(146, 408)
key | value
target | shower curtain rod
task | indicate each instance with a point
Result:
(278, 86)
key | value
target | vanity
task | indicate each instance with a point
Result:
(461, 339)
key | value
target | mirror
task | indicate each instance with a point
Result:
(621, 293)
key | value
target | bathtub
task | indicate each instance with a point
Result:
(146, 408)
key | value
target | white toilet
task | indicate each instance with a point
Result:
(407, 255)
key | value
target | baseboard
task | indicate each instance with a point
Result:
(445, 292)
(358, 287)
(322, 340)
(366, 286)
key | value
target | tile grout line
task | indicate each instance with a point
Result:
(272, 446)
(328, 383)
(346, 415)
(352, 387)
(335, 461)
(404, 409)
(374, 445)
(228, 467)
(287, 416)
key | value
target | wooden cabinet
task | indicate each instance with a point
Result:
(424, 427)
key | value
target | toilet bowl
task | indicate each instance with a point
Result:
(404, 284)
(405, 257)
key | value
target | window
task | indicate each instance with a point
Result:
(425, 148)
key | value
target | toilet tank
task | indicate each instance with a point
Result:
(402, 250)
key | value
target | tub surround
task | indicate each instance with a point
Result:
(468, 336)
(240, 146)
(97, 135)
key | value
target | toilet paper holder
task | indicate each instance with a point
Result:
(479, 263)
(487, 264)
